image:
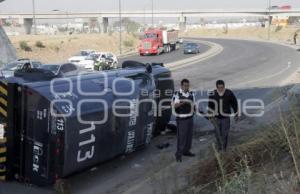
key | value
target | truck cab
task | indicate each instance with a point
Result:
(157, 41)
(151, 43)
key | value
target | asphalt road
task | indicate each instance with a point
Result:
(243, 64)
(252, 69)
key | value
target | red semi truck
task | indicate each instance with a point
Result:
(157, 41)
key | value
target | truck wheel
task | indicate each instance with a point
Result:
(141, 54)
(165, 49)
(158, 51)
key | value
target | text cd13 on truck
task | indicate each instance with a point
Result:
(50, 135)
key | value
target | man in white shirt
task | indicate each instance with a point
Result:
(184, 105)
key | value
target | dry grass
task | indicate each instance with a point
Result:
(255, 151)
(284, 34)
(243, 168)
(58, 48)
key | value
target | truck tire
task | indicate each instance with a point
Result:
(172, 47)
(166, 49)
(158, 52)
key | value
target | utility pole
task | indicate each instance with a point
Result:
(34, 18)
(152, 12)
(67, 14)
(120, 20)
(269, 20)
(144, 17)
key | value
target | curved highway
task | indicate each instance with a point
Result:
(252, 69)
(243, 64)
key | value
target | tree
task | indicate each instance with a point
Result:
(128, 25)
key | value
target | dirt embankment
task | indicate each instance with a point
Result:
(58, 48)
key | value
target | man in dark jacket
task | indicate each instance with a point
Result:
(221, 103)
(183, 102)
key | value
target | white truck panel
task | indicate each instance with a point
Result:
(170, 37)
(165, 37)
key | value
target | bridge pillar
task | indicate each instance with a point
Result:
(105, 25)
(182, 23)
(28, 25)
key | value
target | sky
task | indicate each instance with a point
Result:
(9, 6)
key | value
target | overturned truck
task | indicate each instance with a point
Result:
(55, 127)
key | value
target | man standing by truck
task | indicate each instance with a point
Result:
(221, 101)
(184, 104)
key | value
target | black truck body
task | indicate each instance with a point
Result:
(57, 127)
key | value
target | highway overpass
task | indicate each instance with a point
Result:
(159, 14)
(102, 17)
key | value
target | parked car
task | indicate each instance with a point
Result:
(84, 59)
(105, 56)
(9, 69)
(62, 70)
(191, 48)
(86, 62)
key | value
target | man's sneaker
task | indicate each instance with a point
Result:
(189, 154)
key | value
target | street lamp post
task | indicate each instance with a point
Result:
(67, 14)
(120, 32)
(152, 5)
(34, 18)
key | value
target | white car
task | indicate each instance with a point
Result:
(103, 56)
(84, 59)
(89, 61)
(86, 62)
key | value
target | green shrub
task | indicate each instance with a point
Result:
(39, 44)
(24, 46)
